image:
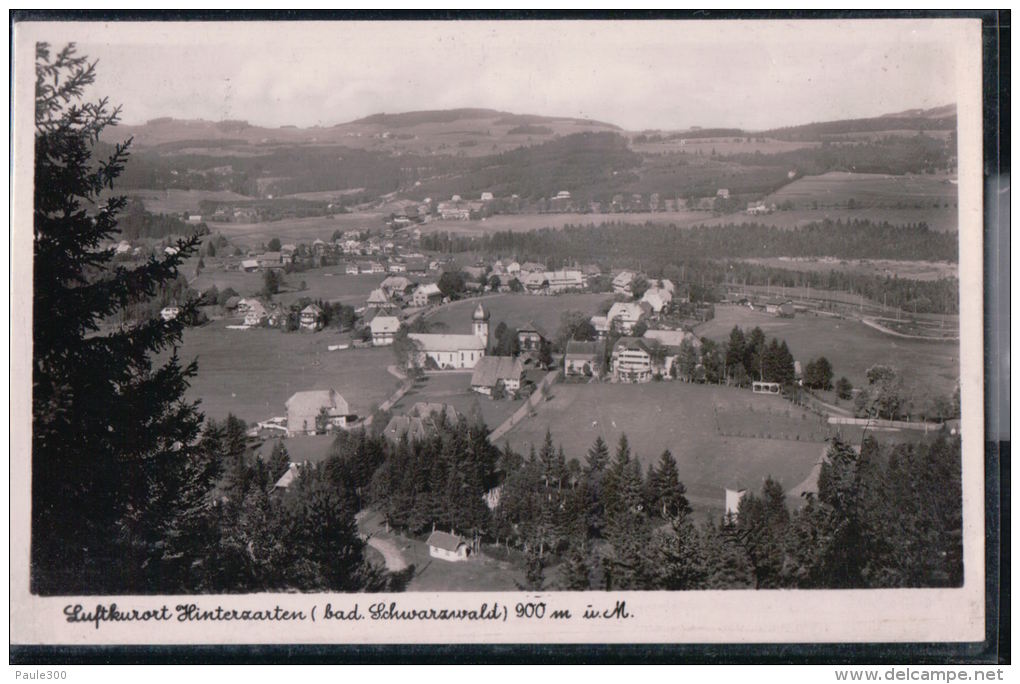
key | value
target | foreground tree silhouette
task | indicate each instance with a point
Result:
(111, 430)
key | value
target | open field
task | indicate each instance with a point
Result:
(297, 230)
(329, 284)
(869, 190)
(680, 417)
(911, 270)
(851, 347)
(251, 373)
(517, 309)
(744, 144)
(176, 201)
(455, 389)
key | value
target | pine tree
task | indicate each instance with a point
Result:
(106, 423)
(679, 557)
(598, 456)
(667, 492)
(576, 571)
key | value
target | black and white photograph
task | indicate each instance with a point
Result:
(592, 318)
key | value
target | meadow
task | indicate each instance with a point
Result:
(251, 373)
(516, 309)
(298, 229)
(329, 284)
(173, 201)
(850, 346)
(721, 145)
(680, 417)
(869, 190)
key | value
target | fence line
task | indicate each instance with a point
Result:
(879, 423)
(520, 414)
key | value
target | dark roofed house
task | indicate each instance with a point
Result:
(449, 547)
(583, 358)
(530, 336)
(491, 370)
(412, 426)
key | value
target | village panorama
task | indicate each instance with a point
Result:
(472, 350)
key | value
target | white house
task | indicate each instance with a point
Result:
(582, 358)
(632, 360)
(427, 294)
(169, 313)
(303, 408)
(627, 315)
(250, 265)
(448, 547)
(658, 298)
(311, 317)
(255, 313)
(384, 329)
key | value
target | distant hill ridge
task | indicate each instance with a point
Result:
(426, 116)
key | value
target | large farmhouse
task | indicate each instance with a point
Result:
(303, 409)
(454, 351)
(627, 314)
(493, 370)
(632, 360)
(384, 330)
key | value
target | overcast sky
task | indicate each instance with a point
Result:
(639, 75)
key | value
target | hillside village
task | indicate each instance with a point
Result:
(475, 350)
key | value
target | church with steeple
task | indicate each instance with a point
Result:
(454, 352)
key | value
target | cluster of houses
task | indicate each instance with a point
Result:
(255, 314)
(382, 256)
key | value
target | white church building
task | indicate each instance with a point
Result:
(455, 352)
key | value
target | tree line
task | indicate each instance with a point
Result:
(855, 239)
(608, 523)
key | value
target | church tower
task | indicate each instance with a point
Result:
(480, 321)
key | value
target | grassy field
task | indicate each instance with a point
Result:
(912, 270)
(682, 418)
(455, 389)
(297, 230)
(329, 284)
(251, 373)
(517, 309)
(869, 190)
(176, 201)
(850, 346)
(722, 146)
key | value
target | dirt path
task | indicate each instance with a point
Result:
(391, 554)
